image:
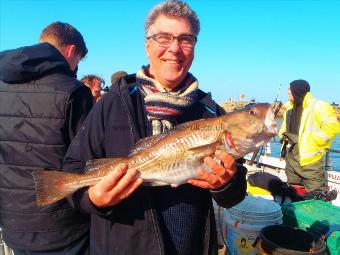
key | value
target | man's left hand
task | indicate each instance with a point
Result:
(221, 173)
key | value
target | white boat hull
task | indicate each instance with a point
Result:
(276, 167)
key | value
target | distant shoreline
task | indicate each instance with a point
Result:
(232, 106)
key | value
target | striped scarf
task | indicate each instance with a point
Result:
(163, 107)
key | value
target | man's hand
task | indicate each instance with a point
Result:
(115, 187)
(285, 138)
(221, 174)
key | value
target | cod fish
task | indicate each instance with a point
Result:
(170, 158)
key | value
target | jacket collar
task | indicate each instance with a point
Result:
(206, 100)
(306, 102)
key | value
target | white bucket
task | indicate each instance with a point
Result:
(245, 220)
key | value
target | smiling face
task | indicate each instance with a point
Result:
(169, 65)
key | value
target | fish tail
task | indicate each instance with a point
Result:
(52, 186)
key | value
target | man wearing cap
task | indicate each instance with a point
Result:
(308, 127)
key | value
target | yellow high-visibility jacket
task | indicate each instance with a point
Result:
(318, 126)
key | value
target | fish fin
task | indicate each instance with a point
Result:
(205, 150)
(94, 164)
(51, 186)
(189, 124)
(151, 140)
(147, 142)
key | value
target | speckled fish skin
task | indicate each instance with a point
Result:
(173, 157)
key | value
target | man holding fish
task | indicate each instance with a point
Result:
(179, 162)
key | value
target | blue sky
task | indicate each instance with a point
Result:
(246, 47)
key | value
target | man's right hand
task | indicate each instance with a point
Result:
(285, 138)
(115, 187)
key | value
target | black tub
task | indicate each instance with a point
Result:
(286, 240)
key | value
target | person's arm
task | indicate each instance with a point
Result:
(78, 106)
(329, 125)
(235, 191)
(89, 144)
(86, 145)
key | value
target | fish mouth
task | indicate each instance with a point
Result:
(260, 140)
(270, 123)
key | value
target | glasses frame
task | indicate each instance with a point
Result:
(153, 37)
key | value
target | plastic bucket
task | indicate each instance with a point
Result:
(245, 221)
(287, 240)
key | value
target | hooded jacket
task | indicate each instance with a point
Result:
(318, 126)
(114, 125)
(41, 107)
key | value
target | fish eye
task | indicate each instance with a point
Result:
(252, 111)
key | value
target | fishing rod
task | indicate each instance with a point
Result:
(277, 108)
(277, 94)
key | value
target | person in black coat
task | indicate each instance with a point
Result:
(127, 217)
(42, 105)
(94, 83)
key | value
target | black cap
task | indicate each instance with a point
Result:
(299, 89)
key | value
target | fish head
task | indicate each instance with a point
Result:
(247, 129)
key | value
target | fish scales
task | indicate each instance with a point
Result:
(155, 168)
(170, 158)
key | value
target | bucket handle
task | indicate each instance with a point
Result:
(318, 245)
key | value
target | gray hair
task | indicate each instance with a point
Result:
(173, 8)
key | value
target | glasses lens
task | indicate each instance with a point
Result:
(187, 40)
(163, 39)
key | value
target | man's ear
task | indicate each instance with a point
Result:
(70, 50)
(147, 47)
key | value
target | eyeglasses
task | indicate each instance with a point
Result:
(165, 40)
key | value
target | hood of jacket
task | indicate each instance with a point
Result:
(32, 62)
(306, 102)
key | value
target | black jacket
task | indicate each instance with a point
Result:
(41, 107)
(132, 227)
